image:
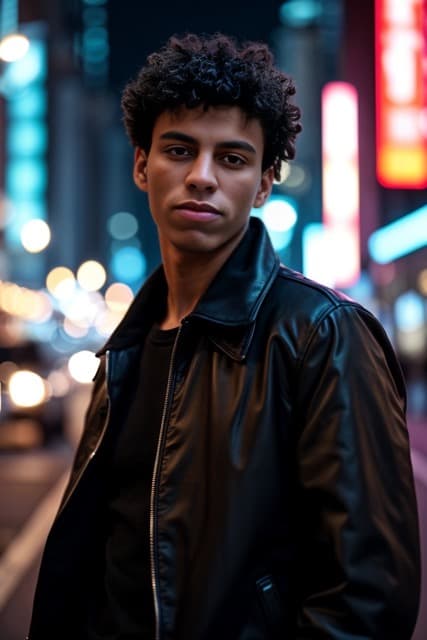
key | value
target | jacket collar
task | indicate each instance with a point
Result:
(229, 306)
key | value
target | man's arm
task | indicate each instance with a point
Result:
(359, 550)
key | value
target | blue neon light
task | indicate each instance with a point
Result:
(312, 234)
(409, 311)
(399, 238)
(31, 68)
(279, 214)
(27, 138)
(128, 264)
(26, 177)
(300, 13)
(94, 16)
(29, 103)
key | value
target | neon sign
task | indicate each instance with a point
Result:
(400, 93)
(340, 180)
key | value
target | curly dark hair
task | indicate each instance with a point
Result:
(214, 70)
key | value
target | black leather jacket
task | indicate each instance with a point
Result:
(282, 501)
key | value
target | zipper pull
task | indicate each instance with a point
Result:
(270, 600)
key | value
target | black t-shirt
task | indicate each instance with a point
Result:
(122, 606)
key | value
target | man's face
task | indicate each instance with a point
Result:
(202, 176)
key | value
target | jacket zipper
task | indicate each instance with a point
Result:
(154, 489)
(98, 442)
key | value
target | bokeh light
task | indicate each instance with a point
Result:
(74, 330)
(409, 311)
(107, 321)
(31, 67)
(422, 282)
(59, 383)
(13, 47)
(83, 366)
(26, 389)
(300, 13)
(34, 306)
(41, 308)
(298, 178)
(60, 282)
(82, 307)
(26, 177)
(122, 225)
(128, 264)
(118, 297)
(279, 216)
(410, 316)
(35, 235)
(26, 137)
(24, 303)
(91, 275)
(30, 103)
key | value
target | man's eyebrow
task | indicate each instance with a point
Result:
(236, 144)
(224, 144)
(177, 135)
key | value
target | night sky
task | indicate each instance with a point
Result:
(139, 27)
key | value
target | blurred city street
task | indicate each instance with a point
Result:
(31, 484)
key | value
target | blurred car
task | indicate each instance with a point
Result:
(29, 413)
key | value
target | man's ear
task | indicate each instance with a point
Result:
(140, 169)
(265, 187)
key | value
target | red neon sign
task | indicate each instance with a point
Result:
(400, 93)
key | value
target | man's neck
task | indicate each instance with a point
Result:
(187, 281)
(188, 276)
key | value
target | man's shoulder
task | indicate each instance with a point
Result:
(295, 292)
(299, 309)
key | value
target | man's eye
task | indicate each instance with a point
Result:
(233, 159)
(178, 151)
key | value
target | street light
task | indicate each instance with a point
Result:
(13, 45)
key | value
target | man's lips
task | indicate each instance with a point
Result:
(193, 210)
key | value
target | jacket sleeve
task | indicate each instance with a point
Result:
(357, 515)
(94, 420)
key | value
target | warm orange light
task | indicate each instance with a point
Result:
(60, 282)
(400, 93)
(27, 389)
(91, 275)
(118, 297)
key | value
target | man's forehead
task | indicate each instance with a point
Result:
(203, 119)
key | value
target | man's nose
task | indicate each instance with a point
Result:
(202, 175)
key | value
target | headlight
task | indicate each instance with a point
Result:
(27, 389)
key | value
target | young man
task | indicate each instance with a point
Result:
(244, 471)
